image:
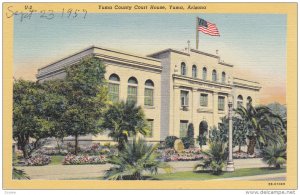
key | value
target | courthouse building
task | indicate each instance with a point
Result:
(173, 87)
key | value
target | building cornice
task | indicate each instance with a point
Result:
(91, 50)
(129, 62)
(246, 84)
(67, 57)
(226, 64)
(200, 81)
(204, 53)
(105, 58)
(136, 62)
(169, 50)
(246, 80)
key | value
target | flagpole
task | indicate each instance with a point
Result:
(197, 33)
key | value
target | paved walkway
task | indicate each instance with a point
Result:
(56, 172)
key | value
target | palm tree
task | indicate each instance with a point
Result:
(275, 153)
(123, 120)
(216, 157)
(136, 158)
(19, 174)
(261, 124)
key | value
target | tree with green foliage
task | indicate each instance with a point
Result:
(189, 141)
(275, 153)
(32, 110)
(220, 134)
(202, 138)
(239, 131)
(123, 120)
(86, 93)
(136, 157)
(261, 125)
(55, 113)
(191, 134)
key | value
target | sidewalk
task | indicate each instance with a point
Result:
(57, 172)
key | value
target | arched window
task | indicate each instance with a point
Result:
(223, 77)
(239, 101)
(132, 80)
(149, 91)
(183, 69)
(204, 73)
(194, 71)
(214, 75)
(113, 87)
(132, 89)
(249, 100)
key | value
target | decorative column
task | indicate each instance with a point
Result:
(230, 165)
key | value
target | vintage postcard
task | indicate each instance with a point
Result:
(150, 96)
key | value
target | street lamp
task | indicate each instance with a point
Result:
(230, 165)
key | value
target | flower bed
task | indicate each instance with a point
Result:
(96, 149)
(38, 160)
(71, 159)
(52, 151)
(190, 154)
(244, 155)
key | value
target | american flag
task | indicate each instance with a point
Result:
(207, 27)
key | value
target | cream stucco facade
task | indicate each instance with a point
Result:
(180, 91)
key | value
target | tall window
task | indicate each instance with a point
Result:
(132, 89)
(184, 98)
(183, 128)
(221, 103)
(203, 99)
(149, 88)
(194, 71)
(113, 87)
(150, 125)
(214, 75)
(223, 77)
(204, 73)
(239, 101)
(183, 69)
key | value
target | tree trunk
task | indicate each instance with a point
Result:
(76, 144)
(251, 146)
(24, 151)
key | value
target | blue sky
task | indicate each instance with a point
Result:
(254, 43)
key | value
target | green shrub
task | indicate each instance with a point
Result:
(275, 154)
(136, 159)
(169, 141)
(188, 142)
(216, 158)
(190, 134)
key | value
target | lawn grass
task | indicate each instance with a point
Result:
(56, 160)
(202, 175)
(205, 175)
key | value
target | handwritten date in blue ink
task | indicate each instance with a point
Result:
(49, 14)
